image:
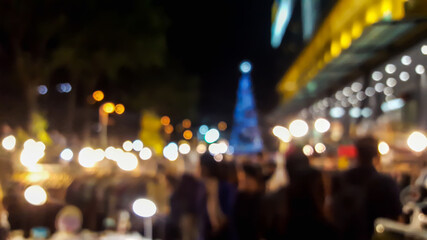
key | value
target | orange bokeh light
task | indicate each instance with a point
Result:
(120, 109)
(188, 134)
(98, 95)
(108, 107)
(169, 129)
(165, 120)
(222, 126)
(186, 123)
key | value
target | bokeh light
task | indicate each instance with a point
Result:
(203, 129)
(212, 135)
(127, 161)
(308, 150)
(127, 146)
(184, 148)
(144, 208)
(245, 67)
(165, 120)
(99, 155)
(9, 142)
(282, 133)
(169, 129)
(119, 108)
(320, 148)
(32, 153)
(188, 134)
(218, 157)
(201, 148)
(222, 126)
(145, 153)
(110, 152)
(87, 158)
(383, 148)
(35, 195)
(42, 89)
(170, 152)
(137, 145)
(67, 154)
(186, 123)
(108, 107)
(98, 95)
(322, 125)
(298, 128)
(218, 148)
(417, 141)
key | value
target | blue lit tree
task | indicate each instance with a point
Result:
(245, 135)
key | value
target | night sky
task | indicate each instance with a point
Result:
(211, 38)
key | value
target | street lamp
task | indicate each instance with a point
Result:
(146, 209)
(104, 111)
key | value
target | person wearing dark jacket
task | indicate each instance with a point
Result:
(296, 211)
(365, 194)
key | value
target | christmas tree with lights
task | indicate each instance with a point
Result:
(245, 135)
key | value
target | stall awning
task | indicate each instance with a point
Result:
(347, 43)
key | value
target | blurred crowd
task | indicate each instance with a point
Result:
(234, 200)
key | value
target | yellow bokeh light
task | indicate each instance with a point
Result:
(222, 126)
(345, 40)
(371, 16)
(335, 49)
(188, 134)
(98, 95)
(186, 123)
(120, 109)
(165, 120)
(383, 148)
(108, 107)
(169, 129)
(356, 30)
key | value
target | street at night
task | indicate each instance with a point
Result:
(223, 120)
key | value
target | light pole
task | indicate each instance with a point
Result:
(104, 111)
(146, 209)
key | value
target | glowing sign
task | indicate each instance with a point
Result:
(282, 11)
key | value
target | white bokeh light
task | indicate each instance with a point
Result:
(308, 150)
(370, 91)
(379, 87)
(417, 141)
(356, 87)
(420, 69)
(35, 195)
(320, 148)
(406, 60)
(137, 145)
(383, 148)
(282, 133)
(145, 153)
(298, 128)
(404, 76)
(377, 75)
(144, 208)
(322, 125)
(128, 162)
(391, 82)
(390, 68)
(67, 154)
(201, 148)
(424, 49)
(170, 152)
(184, 148)
(87, 157)
(9, 142)
(212, 135)
(127, 146)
